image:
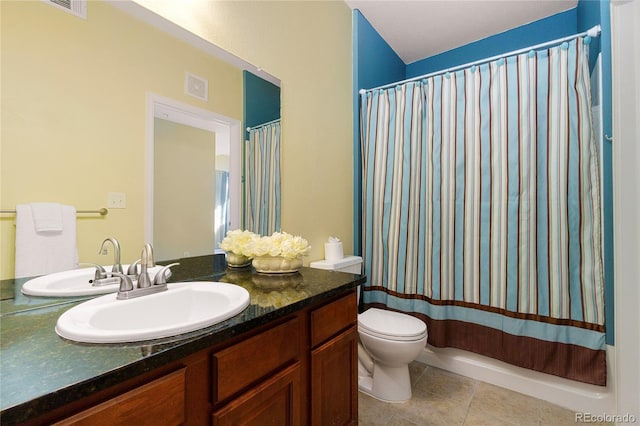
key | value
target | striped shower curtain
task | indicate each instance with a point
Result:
(262, 179)
(482, 211)
(221, 214)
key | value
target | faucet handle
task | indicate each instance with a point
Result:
(100, 271)
(125, 282)
(133, 268)
(160, 277)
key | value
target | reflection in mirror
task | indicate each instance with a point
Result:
(185, 187)
(87, 112)
(262, 179)
(261, 155)
(193, 191)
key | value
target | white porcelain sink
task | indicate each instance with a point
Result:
(184, 307)
(75, 282)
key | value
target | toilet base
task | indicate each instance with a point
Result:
(387, 384)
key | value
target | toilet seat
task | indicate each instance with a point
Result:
(391, 325)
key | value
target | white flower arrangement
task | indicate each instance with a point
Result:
(237, 241)
(278, 244)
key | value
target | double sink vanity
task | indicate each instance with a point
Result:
(288, 357)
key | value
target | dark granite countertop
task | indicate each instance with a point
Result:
(40, 371)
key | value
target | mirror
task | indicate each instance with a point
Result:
(76, 132)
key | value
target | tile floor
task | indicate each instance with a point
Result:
(444, 398)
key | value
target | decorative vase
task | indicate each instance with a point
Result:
(235, 260)
(276, 264)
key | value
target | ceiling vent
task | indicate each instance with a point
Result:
(197, 87)
(75, 7)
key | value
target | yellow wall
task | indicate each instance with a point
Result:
(74, 109)
(307, 44)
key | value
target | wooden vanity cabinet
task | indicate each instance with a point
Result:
(258, 381)
(297, 370)
(334, 363)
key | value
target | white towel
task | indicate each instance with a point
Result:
(44, 252)
(47, 217)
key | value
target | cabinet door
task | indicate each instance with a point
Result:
(275, 401)
(334, 381)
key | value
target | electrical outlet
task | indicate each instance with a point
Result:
(116, 200)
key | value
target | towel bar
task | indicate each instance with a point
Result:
(101, 212)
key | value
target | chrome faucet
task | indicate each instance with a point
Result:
(144, 285)
(146, 261)
(117, 266)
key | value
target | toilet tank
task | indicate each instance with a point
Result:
(350, 264)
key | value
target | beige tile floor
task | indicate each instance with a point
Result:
(444, 398)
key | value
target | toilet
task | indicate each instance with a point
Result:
(389, 341)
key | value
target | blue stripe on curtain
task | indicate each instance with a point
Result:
(262, 179)
(481, 206)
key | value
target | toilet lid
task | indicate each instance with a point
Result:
(391, 325)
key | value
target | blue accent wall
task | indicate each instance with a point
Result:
(588, 15)
(376, 64)
(261, 100)
(592, 13)
(560, 25)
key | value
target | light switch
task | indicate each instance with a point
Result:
(116, 200)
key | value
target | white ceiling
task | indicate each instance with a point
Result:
(417, 29)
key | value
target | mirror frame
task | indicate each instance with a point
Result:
(224, 127)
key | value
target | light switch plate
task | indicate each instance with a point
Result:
(116, 200)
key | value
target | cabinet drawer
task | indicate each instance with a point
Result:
(330, 319)
(247, 362)
(161, 399)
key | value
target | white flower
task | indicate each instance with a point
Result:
(237, 241)
(278, 244)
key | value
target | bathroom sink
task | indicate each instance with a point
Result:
(76, 282)
(184, 307)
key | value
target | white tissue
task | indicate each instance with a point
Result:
(333, 249)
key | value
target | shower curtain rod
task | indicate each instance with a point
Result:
(263, 124)
(592, 32)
